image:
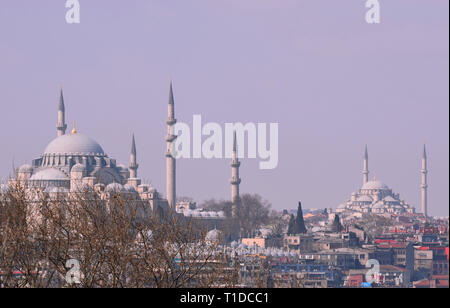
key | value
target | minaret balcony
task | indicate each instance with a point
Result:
(169, 154)
(171, 138)
(235, 181)
(235, 164)
(133, 166)
(171, 122)
(60, 126)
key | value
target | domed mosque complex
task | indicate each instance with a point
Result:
(377, 198)
(73, 163)
(69, 159)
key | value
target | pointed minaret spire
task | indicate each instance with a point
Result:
(170, 159)
(61, 126)
(366, 166)
(133, 160)
(171, 99)
(235, 180)
(424, 185)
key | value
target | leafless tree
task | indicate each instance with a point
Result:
(117, 244)
(254, 212)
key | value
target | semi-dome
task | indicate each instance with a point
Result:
(78, 168)
(375, 185)
(56, 190)
(49, 174)
(364, 198)
(378, 205)
(75, 144)
(114, 187)
(25, 169)
(213, 235)
(390, 199)
(129, 188)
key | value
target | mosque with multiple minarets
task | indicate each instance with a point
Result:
(74, 162)
(377, 198)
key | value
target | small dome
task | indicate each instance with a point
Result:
(375, 185)
(129, 188)
(75, 144)
(55, 190)
(114, 187)
(341, 206)
(378, 205)
(213, 235)
(84, 187)
(100, 186)
(78, 168)
(390, 199)
(25, 169)
(364, 198)
(49, 174)
(4, 188)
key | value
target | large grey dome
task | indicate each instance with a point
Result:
(75, 144)
(375, 185)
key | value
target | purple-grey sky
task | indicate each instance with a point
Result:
(332, 81)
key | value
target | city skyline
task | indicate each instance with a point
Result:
(119, 87)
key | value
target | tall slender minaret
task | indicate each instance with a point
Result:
(424, 185)
(366, 166)
(170, 159)
(61, 126)
(235, 180)
(133, 157)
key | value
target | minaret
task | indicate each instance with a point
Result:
(366, 167)
(133, 164)
(235, 180)
(61, 126)
(424, 185)
(170, 159)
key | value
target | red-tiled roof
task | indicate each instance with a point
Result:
(440, 277)
(441, 281)
(422, 283)
(392, 268)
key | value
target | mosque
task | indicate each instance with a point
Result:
(74, 162)
(376, 197)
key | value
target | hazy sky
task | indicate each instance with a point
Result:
(331, 81)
